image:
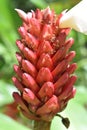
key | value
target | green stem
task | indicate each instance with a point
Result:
(42, 125)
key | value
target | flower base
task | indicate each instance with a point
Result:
(42, 125)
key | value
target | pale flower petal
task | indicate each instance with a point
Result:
(76, 18)
(22, 14)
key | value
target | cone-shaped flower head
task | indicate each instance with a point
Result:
(44, 74)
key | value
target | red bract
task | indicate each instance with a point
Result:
(44, 74)
(11, 110)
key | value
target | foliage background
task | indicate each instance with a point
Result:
(9, 23)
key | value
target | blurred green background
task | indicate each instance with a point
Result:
(9, 23)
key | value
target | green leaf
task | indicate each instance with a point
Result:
(7, 123)
(6, 93)
(8, 36)
(81, 96)
(39, 3)
(82, 63)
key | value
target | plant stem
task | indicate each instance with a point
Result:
(42, 125)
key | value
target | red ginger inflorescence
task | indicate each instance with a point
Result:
(44, 74)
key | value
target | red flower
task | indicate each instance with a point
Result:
(44, 74)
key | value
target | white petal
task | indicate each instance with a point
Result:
(76, 18)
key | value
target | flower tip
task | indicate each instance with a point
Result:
(18, 11)
(21, 13)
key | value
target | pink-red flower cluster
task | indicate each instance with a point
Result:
(44, 73)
